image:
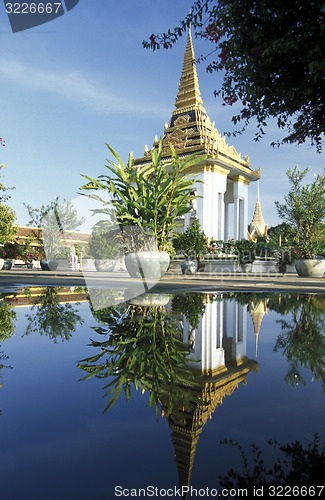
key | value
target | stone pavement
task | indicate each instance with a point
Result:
(16, 278)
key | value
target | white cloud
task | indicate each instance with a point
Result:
(72, 85)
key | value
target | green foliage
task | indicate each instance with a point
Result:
(143, 350)
(245, 250)
(192, 305)
(104, 242)
(145, 202)
(298, 466)
(304, 212)
(7, 319)
(53, 219)
(52, 318)
(271, 55)
(192, 243)
(4, 197)
(282, 234)
(302, 340)
(7, 227)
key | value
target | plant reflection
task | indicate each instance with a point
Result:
(143, 349)
(51, 317)
(298, 470)
(7, 317)
(302, 339)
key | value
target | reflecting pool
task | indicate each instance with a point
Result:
(157, 395)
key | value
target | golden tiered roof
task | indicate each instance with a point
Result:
(187, 423)
(190, 129)
(258, 227)
(257, 312)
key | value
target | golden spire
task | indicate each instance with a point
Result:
(189, 96)
(257, 312)
(257, 226)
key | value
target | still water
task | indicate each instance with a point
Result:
(142, 398)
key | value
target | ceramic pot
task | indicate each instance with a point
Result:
(151, 299)
(189, 266)
(313, 268)
(104, 265)
(49, 265)
(7, 264)
(149, 265)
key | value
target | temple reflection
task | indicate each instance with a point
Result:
(218, 358)
(186, 351)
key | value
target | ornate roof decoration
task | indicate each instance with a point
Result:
(190, 129)
(257, 312)
(189, 96)
(187, 422)
(258, 227)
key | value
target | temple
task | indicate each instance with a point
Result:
(257, 228)
(222, 203)
(220, 366)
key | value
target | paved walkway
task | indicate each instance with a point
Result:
(201, 281)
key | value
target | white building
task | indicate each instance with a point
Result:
(222, 206)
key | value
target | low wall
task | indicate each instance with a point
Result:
(229, 266)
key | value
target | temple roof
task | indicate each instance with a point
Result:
(187, 422)
(188, 96)
(257, 227)
(190, 129)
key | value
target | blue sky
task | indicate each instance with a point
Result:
(79, 81)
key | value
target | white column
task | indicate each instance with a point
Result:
(221, 216)
(240, 207)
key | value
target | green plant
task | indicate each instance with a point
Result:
(146, 201)
(104, 242)
(304, 212)
(191, 305)
(192, 243)
(53, 219)
(246, 251)
(143, 349)
(52, 318)
(7, 227)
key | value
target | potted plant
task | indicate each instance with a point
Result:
(104, 247)
(10, 251)
(246, 254)
(145, 203)
(192, 243)
(304, 212)
(141, 348)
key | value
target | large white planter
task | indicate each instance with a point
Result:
(104, 265)
(151, 299)
(314, 268)
(148, 265)
(2, 261)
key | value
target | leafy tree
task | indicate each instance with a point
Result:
(298, 465)
(271, 54)
(52, 318)
(53, 219)
(7, 227)
(7, 214)
(142, 348)
(304, 212)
